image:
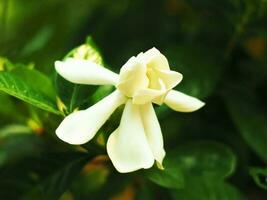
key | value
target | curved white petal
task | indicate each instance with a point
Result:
(127, 146)
(81, 126)
(85, 72)
(132, 77)
(154, 59)
(147, 95)
(153, 132)
(170, 78)
(181, 102)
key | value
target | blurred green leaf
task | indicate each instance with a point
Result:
(18, 142)
(260, 176)
(209, 160)
(250, 119)
(206, 190)
(38, 41)
(195, 161)
(14, 129)
(44, 176)
(55, 184)
(26, 90)
(170, 177)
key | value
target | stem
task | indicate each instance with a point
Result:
(74, 97)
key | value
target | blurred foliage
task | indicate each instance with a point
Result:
(217, 153)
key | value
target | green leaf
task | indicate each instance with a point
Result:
(41, 82)
(170, 177)
(55, 184)
(260, 176)
(250, 119)
(206, 190)
(203, 160)
(27, 90)
(204, 165)
(195, 161)
(14, 129)
(72, 95)
(17, 142)
(43, 176)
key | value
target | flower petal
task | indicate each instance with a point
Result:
(147, 95)
(127, 146)
(85, 72)
(154, 59)
(170, 78)
(153, 132)
(81, 126)
(181, 102)
(132, 77)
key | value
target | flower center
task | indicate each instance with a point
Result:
(142, 83)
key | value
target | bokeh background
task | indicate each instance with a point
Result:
(216, 153)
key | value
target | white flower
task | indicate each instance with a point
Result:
(143, 80)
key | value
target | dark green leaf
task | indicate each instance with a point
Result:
(196, 161)
(203, 160)
(206, 190)
(43, 176)
(18, 142)
(260, 176)
(250, 119)
(170, 177)
(55, 184)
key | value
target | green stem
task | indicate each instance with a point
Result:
(74, 97)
